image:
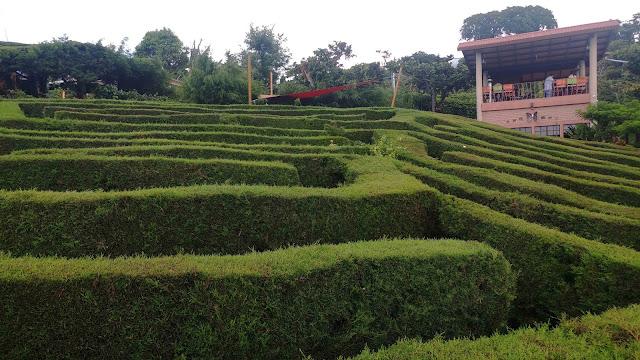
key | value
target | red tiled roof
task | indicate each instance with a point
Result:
(540, 35)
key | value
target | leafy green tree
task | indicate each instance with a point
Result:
(269, 51)
(164, 45)
(512, 20)
(211, 82)
(434, 76)
(621, 82)
(610, 120)
(324, 68)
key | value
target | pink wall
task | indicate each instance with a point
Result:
(550, 111)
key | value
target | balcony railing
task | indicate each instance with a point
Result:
(534, 90)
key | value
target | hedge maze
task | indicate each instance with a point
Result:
(168, 230)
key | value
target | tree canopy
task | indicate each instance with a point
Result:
(512, 20)
(165, 46)
(268, 49)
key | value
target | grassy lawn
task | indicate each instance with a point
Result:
(10, 110)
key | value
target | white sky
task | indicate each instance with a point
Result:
(401, 26)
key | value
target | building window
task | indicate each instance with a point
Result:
(526, 129)
(550, 130)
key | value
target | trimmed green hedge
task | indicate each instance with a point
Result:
(591, 225)
(612, 335)
(500, 135)
(37, 109)
(230, 137)
(13, 142)
(322, 301)
(441, 141)
(557, 273)
(320, 169)
(614, 193)
(505, 182)
(87, 172)
(379, 201)
(109, 127)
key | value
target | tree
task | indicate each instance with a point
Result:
(164, 45)
(324, 68)
(211, 82)
(630, 30)
(434, 75)
(268, 49)
(512, 20)
(79, 67)
(620, 82)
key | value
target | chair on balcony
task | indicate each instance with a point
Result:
(581, 84)
(508, 92)
(497, 92)
(572, 83)
(560, 87)
(486, 93)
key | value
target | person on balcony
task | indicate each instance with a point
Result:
(548, 86)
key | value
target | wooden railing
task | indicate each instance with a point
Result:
(534, 90)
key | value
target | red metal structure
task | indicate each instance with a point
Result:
(315, 93)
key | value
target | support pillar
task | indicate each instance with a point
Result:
(582, 68)
(479, 86)
(593, 68)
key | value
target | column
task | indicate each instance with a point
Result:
(479, 86)
(582, 68)
(593, 68)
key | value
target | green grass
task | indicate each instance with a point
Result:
(10, 110)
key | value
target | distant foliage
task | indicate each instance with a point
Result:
(461, 103)
(166, 47)
(211, 82)
(512, 20)
(611, 122)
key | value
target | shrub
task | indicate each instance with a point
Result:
(591, 225)
(558, 273)
(318, 169)
(611, 335)
(87, 172)
(379, 201)
(602, 191)
(317, 300)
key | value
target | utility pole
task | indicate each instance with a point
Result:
(270, 82)
(249, 76)
(395, 90)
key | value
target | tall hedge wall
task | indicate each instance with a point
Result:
(321, 301)
(612, 335)
(380, 201)
(558, 273)
(87, 172)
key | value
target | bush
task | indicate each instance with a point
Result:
(591, 225)
(602, 191)
(321, 301)
(320, 170)
(86, 172)
(558, 273)
(611, 335)
(379, 201)
(461, 103)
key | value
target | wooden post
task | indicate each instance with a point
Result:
(396, 88)
(593, 68)
(249, 76)
(479, 84)
(270, 82)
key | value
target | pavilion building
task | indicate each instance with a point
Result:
(537, 82)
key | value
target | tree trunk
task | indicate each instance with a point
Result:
(433, 101)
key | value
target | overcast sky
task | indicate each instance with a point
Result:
(401, 26)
